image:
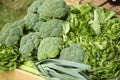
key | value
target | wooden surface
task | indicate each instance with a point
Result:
(18, 75)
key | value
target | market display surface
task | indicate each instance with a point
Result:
(57, 41)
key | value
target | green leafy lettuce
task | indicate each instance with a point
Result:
(98, 32)
(9, 58)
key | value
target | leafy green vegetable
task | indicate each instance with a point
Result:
(49, 48)
(78, 20)
(98, 32)
(9, 58)
(100, 16)
(102, 52)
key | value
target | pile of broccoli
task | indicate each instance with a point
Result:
(39, 33)
(39, 36)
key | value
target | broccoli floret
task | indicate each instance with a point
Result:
(4, 32)
(30, 21)
(29, 45)
(49, 48)
(53, 9)
(37, 26)
(11, 33)
(74, 52)
(49, 9)
(32, 16)
(33, 9)
(51, 28)
(43, 10)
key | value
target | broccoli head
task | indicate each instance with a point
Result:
(30, 21)
(49, 9)
(49, 48)
(41, 11)
(74, 52)
(53, 9)
(29, 45)
(32, 17)
(11, 33)
(51, 28)
(33, 9)
(37, 26)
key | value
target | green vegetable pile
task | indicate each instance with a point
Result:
(63, 42)
(98, 32)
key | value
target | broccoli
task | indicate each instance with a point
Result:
(37, 26)
(11, 33)
(43, 10)
(32, 16)
(29, 45)
(30, 21)
(49, 48)
(4, 32)
(33, 9)
(49, 9)
(74, 52)
(51, 28)
(53, 9)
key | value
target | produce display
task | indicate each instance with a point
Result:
(63, 42)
